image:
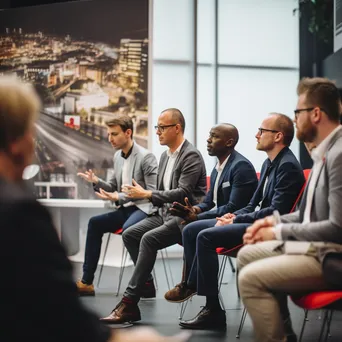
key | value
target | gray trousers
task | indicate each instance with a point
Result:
(266, 277)
(143, 240)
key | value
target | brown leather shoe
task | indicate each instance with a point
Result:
(180, 293)
(85, 289)
(123, 313)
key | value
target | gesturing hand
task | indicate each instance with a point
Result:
(187, 212)
(111, 196)
(89, 176)
(136, 190)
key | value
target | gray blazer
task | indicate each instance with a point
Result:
(144, 168)
(188, 178)
(326, 218)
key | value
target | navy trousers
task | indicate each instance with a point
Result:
(101, 224)
(200, 240)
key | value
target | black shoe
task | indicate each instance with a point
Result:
(207, 319)
(149, 290)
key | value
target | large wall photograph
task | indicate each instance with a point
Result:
(88, 60)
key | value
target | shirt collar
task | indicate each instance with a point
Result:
(125, 156)
(174, 154)
(221, 167)
(318, 153)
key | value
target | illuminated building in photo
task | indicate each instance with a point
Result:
(133, 64)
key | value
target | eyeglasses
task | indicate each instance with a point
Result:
(262, 130)
(161, 128)
(298, 111)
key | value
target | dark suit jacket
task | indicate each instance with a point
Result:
(188, 178)
(236, 186)
(39, 297)
(285, 181)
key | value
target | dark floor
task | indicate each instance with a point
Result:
(163, 316)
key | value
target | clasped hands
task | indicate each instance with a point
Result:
(260, 230)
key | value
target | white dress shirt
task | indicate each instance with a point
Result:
(169, 167)
(219, 169)
(126, 177)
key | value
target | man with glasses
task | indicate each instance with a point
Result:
(281, 180)
(299, 252)
(181, 174)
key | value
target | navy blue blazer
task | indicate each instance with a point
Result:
(236, 186)
(285, 181)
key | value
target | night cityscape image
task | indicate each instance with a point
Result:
(87, 60)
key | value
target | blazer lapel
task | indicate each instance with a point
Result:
(132, 163)
(177, 161)
(118, 172)
(162, 167)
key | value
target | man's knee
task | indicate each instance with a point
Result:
(204, 238)
(127, 235)
(245, 256)
(246, 279)
(93, 225)
(189, 231)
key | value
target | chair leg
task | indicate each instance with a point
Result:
(155, 278)
(231, 264)
(165, 270)
(327, 335)
(103, 259)
(221, 301)
(182, 309)
(169, 265)
(221, 271)
(237, 284)
(303, 325)
(122, 267)
(242, 322)
(324, 323)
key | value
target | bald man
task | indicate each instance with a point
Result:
(281, 180)
(181, 174)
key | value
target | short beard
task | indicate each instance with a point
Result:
(309, 134)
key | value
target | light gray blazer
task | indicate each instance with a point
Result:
(326, 212)
(144, 168)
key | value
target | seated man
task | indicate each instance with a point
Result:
(293, 255)
(232, 182)
(181, 174)
(131, 161)
(280, 182)
(39, 298)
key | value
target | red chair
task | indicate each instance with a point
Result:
(326, 300)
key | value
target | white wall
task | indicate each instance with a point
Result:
(258, 60)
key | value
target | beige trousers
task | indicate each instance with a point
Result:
(266, 277)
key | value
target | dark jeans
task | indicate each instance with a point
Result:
(143, 240)
(200, 240)
(101, 224)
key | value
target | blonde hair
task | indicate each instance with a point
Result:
(19, 106)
